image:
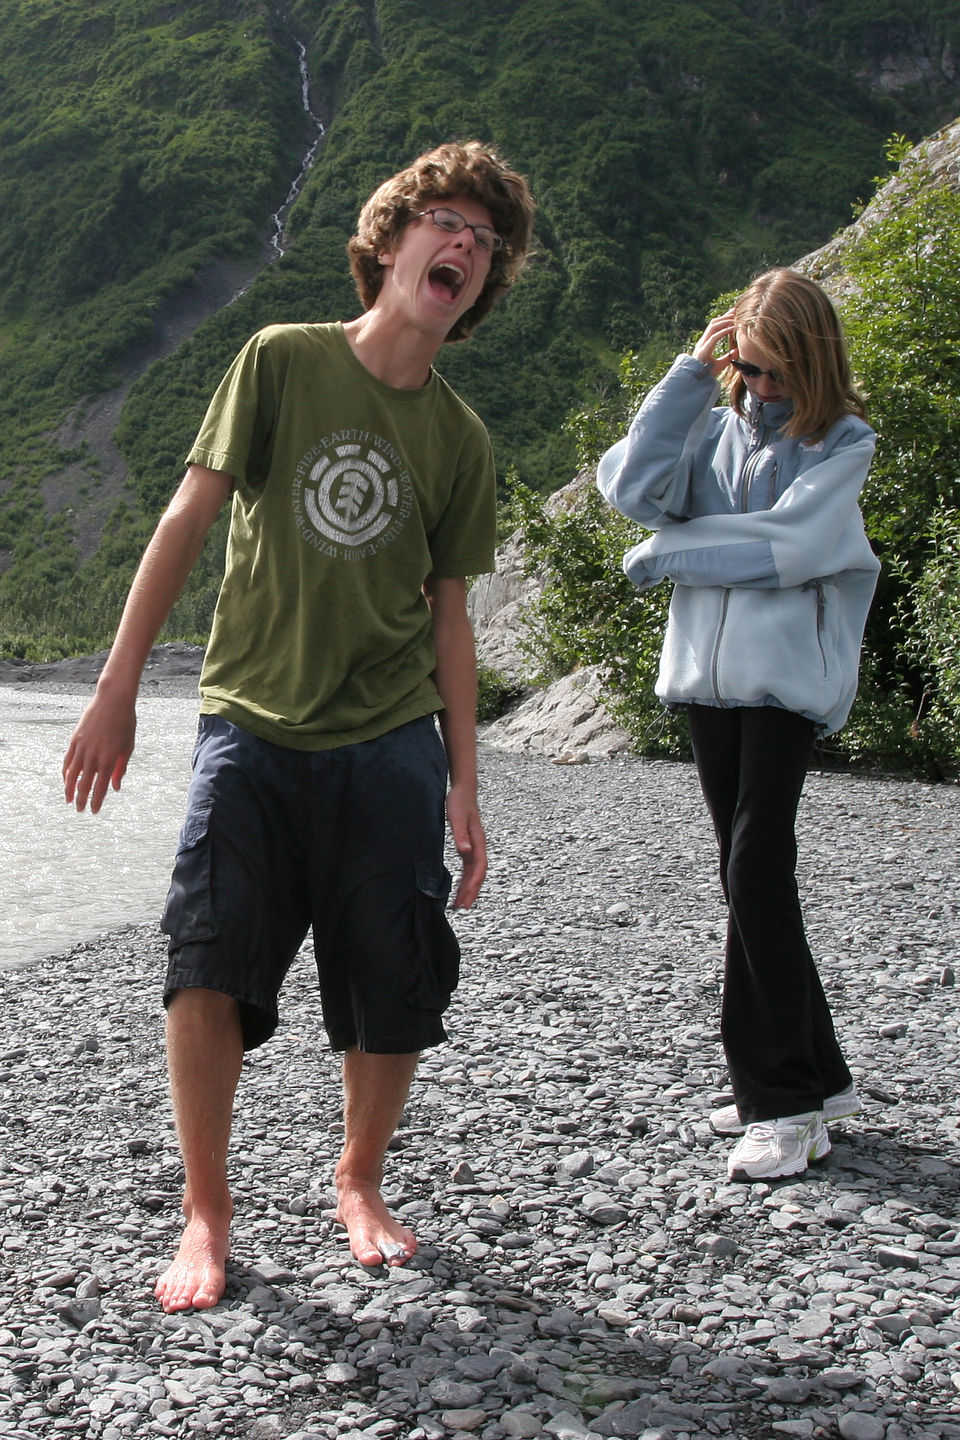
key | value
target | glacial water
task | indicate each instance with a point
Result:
(67, 877)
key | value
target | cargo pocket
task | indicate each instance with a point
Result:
(188, 913)
(437, 948)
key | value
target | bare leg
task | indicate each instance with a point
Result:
(204, 1056)
(375, 1089)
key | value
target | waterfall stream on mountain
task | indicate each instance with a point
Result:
(278, 219)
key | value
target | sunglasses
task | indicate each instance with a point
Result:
(753, 372)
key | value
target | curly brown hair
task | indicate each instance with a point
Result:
(451, 170)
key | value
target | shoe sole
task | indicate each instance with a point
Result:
(743, 1177)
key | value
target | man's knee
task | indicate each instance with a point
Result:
(197, 1004)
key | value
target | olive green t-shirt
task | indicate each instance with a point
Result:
(348, 494)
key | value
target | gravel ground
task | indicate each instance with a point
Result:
(585, 1268)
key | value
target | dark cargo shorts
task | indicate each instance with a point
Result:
(348, 841)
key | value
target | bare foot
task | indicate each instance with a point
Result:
(197, 1277)
(375, 1237)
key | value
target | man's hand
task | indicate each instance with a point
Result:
(103, 741)
(98, 752)
(456, 681)
(467, 831)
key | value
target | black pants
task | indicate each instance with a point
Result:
(782, 1053)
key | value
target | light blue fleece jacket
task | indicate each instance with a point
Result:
(763, 538)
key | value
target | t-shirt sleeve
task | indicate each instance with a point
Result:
(463, 541)
(237, 429)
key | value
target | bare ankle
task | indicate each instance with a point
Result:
(357, 1178)
(214, 1201)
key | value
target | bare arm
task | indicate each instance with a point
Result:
(103, 741)
(456, 680)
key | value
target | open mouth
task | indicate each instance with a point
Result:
(448, 279)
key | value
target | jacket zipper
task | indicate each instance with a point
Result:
(749, 470)
(715, 661)
(821, 625)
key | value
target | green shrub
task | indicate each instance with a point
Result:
(496, 693)
(589, 613)
(936, 636)
(902, 315)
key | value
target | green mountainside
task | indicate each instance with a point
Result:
(674, 147)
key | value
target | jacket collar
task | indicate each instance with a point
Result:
(773, 415)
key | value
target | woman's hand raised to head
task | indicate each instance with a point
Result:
(719, 329)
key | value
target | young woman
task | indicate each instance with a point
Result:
(756, 517)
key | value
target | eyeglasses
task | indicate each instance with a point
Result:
(453, 223)
(753, 372)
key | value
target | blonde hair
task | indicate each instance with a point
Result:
(792, 320)
(450, 170)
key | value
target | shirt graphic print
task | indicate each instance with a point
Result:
(352, 495)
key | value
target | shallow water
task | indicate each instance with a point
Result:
(67, 877)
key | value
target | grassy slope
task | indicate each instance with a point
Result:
(673, 148)
(139, 141)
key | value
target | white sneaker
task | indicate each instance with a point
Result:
(774, 1148)
(726, 1121)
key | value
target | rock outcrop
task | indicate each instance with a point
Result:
(567, 720)
(940, 157)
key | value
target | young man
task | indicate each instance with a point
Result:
(363, 495)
